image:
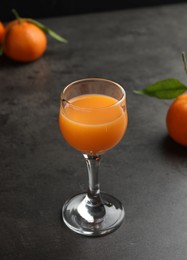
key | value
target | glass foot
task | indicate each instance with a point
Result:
(90, 219)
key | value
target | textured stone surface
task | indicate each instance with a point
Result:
(146, 171)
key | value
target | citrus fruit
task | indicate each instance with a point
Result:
(2, 31)
(176, 120)
(24, 41)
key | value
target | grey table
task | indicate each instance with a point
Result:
(146, 171)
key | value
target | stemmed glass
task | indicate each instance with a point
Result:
(93, 119)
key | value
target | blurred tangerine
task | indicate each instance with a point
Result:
(176, 120)
(24, 41)
(2, 31)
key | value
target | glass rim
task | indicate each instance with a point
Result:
(123, 92)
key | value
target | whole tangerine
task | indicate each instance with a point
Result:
(2, 31)
(176, 120)
(24, 41)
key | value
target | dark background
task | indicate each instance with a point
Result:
(51, 8)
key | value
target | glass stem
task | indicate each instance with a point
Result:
(93, 193)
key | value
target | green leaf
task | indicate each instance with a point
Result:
(164, 89)
(41, 26)
(17, 16)
(47, 30)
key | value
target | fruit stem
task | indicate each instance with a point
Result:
(16, 15)
(184, 61)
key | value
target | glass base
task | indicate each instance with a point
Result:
(90, 219)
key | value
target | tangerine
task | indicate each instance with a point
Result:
(2, 31)
(24, 41)
(176, 120)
